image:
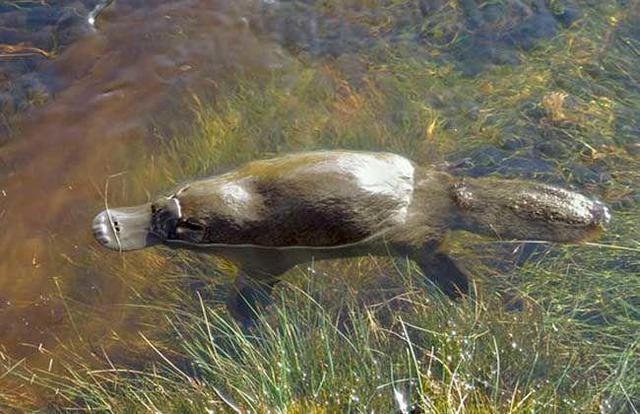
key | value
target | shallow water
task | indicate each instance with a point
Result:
(112, 83)
(112, 93)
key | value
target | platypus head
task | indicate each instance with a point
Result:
(133, 228)
(512, 209)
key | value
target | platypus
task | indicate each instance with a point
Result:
(270, 215)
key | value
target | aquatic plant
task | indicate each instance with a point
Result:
(350, 337)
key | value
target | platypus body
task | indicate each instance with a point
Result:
(271, 215)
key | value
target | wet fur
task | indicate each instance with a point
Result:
(271, 215)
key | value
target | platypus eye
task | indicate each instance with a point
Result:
(188, 225)
(189, 231)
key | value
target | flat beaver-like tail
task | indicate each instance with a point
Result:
(526, 210)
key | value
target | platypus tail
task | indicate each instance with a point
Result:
(526, 210)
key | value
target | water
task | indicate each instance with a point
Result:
(110, 84)
(112, 93)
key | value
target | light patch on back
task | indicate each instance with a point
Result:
(235, 195)
(381, 173)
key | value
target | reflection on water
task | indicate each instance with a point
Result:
(111, 84)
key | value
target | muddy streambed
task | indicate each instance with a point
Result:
(83, 105)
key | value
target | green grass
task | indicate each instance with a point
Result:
(358, 335)
(346, 337)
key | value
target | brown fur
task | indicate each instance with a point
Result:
(274, 214)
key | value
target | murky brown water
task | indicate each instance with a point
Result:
(114, 84)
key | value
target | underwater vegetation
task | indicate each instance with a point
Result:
(545, 90)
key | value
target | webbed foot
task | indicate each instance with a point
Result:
(248, 299)
(446, 273)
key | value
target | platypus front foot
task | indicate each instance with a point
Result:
(446, 273)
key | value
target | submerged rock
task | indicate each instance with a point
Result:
(41, 30)
(482, 35)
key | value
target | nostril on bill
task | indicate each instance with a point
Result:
(123, 229)
(103, 232)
